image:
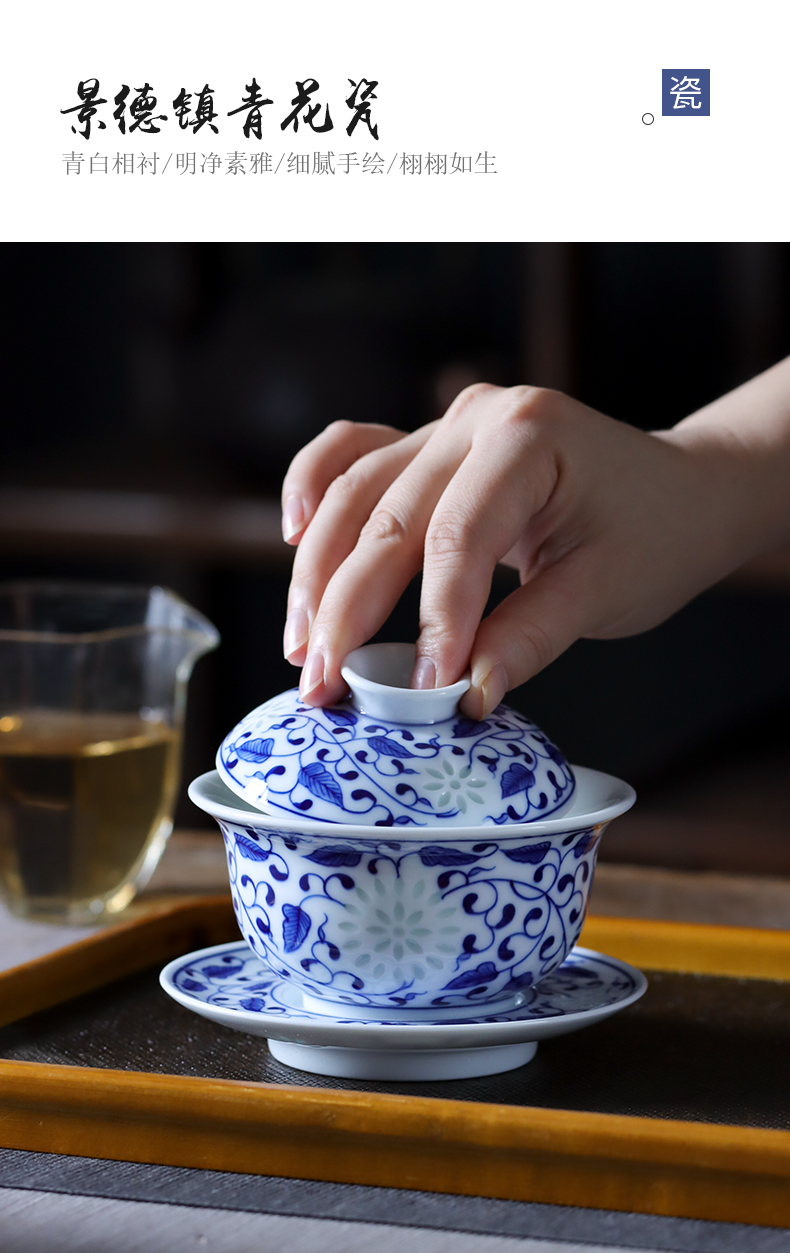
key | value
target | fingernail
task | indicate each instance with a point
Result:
(312, 674)
(297, 631)
(293, 517)
(493, 687)
(424, 673)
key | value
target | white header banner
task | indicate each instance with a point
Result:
(425, 120)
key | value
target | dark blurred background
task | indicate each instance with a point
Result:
(156, 393)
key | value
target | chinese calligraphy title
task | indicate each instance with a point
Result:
(194, 110)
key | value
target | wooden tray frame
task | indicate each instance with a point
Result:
(565, 1157)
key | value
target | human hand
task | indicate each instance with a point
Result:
(611, 529)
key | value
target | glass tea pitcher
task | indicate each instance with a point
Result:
(92, 697)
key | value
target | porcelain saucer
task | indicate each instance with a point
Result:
(232, 986)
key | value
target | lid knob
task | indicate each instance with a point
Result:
(379, 675)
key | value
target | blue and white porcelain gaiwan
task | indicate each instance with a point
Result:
(393, 859)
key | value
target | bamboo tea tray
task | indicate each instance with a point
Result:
(678, 1106)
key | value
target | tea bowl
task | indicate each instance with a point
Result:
(412, 922)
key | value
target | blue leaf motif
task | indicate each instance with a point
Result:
(517, 778)
(483, 973)
(519, 981)
(254, 750)
(586, 842)
(250, 850)
(296, 924)
(340, 717)
(253, 1004)
(438, 855)
(192, 985)
(221, 972)
(390, 748)
(317, 779)
(531, 854)
(465, 728)
(335, 855)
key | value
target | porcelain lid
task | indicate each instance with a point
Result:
(390, 755)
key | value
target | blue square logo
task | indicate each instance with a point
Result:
(685, 93)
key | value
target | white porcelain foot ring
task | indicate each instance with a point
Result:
(402, 1064)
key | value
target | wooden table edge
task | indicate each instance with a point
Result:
(606, 1161)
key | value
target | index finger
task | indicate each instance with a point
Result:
(321, 461)
(365, 588)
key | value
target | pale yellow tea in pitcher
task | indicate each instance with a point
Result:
(85, 800)
(93, 681)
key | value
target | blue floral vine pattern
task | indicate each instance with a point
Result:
(338, 765)
(403, 923)
(238, 981)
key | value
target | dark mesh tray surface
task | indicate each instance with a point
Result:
(695, 1047)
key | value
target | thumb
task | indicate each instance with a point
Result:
(522, 635)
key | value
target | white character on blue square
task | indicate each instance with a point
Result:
(685, 93)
